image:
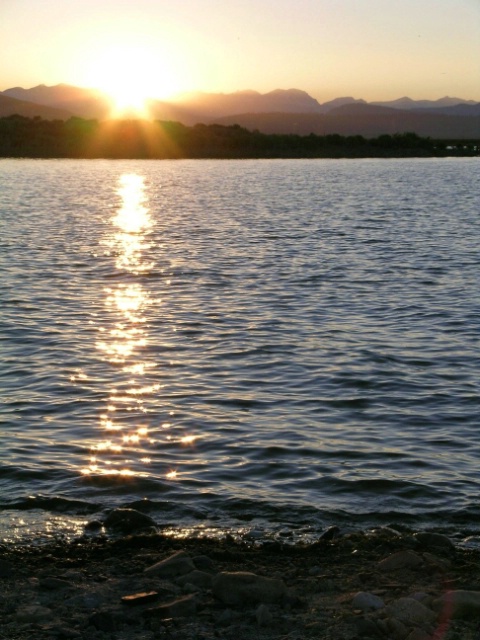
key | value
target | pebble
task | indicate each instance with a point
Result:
(241, 587)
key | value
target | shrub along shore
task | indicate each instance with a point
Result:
(22, 137)
(386, 583)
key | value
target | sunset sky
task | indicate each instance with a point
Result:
(370, 49)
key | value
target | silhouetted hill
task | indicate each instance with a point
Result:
(361, 119)
(279, 111)
(85, 103)
(203, 107)
(10, 106)
(408, 103)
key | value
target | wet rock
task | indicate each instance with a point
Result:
(410, 612)
(400, 560)
(434, 540)
(330, 534)
(263, 616)
(234, 588)
(178, 564)
(128, 521)
(367, 601)
(93, 526)
(179, 608)
(458, 604)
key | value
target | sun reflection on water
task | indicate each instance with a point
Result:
(122, 451)
(130, 424)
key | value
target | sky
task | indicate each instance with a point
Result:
(370, 49)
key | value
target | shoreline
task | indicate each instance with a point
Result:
(381, 583)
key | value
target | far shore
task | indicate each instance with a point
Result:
(22, 137)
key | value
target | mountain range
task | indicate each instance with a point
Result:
(279, 111)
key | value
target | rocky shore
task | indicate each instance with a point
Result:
(386, 583)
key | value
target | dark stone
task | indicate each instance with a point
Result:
(128, 521)
(330, 534)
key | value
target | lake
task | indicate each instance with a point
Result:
(272, 346)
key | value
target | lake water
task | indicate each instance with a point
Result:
(236, 345)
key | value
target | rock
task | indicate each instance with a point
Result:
(179, 608)
(6, 569)
(204, 563)
(51, 584)
(178, 564)
(234, 588)
(400, 560)
(263, 615)
(33, 613)
(436, 562)
(367, 601)
(396, 629)
(140, 598)
(434, 540)
(458, 604)
(93, 525)
(128, 521)
(197, 578)
(103, 621)
(410, 612)
(365, 628)
(418, 634)
(330, 534)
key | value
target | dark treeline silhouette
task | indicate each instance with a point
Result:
(22, 137)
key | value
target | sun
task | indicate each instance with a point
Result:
(131, 76)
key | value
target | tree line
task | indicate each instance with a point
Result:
(22, 137)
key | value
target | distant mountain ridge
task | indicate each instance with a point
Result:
(278, 111)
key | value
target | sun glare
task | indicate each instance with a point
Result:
(131, 76)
